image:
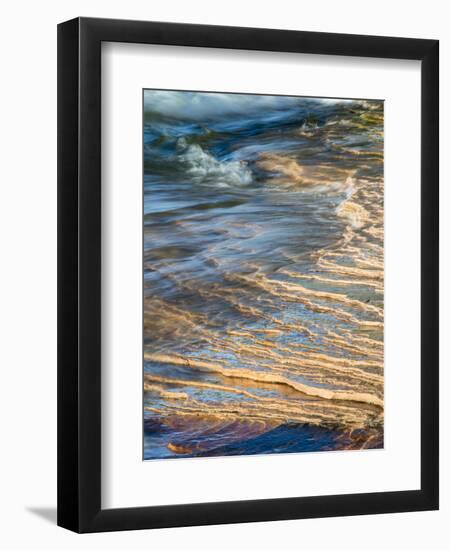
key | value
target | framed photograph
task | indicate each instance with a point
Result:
(248, 275)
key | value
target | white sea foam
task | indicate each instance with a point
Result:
(202, 167)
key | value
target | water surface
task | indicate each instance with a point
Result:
(263, 274)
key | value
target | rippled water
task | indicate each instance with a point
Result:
(263, 274)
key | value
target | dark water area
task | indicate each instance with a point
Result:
(263, 274)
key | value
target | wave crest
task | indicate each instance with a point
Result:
(202, 167)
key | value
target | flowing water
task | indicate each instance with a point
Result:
(263, 274)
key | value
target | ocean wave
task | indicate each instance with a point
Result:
(268, 377)
(218, 106)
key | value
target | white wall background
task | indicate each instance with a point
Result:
(28, 274)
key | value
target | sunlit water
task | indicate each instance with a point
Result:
(263, 274)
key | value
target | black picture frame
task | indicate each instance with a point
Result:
(79, 274)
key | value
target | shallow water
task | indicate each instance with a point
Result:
(263, 274)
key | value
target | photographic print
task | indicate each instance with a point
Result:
(263, 274)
